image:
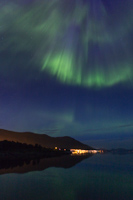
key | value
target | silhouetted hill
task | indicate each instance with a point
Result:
(42, 139)
(16, 152)
(121, 151)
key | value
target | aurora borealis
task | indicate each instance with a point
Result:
(66, 68)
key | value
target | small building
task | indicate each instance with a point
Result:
(82, 151)
(79, 151)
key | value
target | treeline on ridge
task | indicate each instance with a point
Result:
(13, 146)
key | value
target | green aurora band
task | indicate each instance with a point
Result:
(78, 42)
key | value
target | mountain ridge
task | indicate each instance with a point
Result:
(42, 139)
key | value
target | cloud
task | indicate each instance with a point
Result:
(110, 128)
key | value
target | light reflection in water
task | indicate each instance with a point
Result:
(97, 178)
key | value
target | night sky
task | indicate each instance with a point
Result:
(66, 68)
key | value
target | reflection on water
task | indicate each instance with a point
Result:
(21, 166)
(100, 177)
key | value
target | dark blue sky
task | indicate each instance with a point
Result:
(66, 69)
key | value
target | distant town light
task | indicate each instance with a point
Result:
(82, 151)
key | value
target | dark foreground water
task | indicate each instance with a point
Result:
(99, 177)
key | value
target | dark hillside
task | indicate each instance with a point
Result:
(42, 139)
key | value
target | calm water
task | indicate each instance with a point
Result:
(99, 177)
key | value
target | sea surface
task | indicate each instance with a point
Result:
(97, 177)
